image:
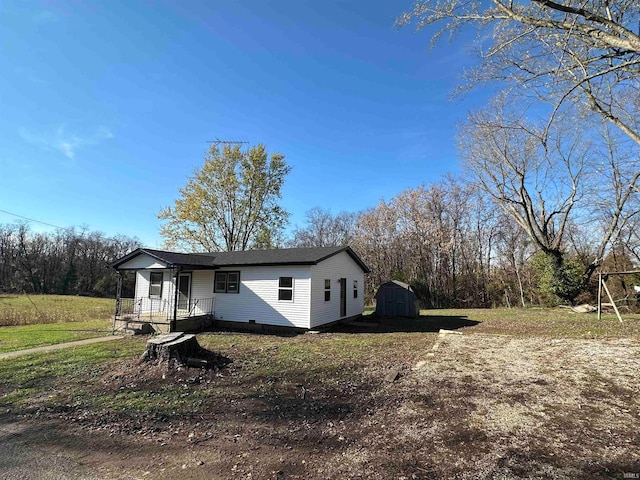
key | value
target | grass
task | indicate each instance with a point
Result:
(28, 321)
(553, 322)
(261, 366)
(267, 360)
(323, 397)
(30, 336)
(546, 322)
(46, 309)
(25, 378)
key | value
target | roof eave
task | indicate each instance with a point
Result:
(354, 256)
(134, 254)
(263, 264)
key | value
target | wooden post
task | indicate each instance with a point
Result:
(176, 278)
(600, 296)
(118, 295)
(606, 289)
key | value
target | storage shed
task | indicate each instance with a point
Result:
(396, 299)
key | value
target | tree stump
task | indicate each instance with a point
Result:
(180, 349)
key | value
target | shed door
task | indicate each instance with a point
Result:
(343, 297)
(401, 302)
(395, 301)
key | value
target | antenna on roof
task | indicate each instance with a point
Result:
(217, 141)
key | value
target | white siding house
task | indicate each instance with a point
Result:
(336, 276)
(299, 288)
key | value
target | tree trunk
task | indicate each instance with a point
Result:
(181, 350)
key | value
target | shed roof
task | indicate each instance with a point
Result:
(284, 256)
(402, 284)
(398, 283)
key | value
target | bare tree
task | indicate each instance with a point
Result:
(513, 250)
(323, 229)
(546, 178)
(563, 53)
(376, 241)
(67, 261)
(438, 238)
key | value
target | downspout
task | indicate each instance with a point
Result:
(172, 326)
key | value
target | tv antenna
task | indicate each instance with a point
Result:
(217, 141)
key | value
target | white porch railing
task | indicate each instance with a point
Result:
(158, 309)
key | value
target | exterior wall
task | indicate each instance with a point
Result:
(141, 261)
(202, 290)
(163, 304)
(142, 284)
(258, 297)
(393, 300)
(334, 268)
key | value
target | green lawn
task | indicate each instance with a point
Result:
(28, 321)
(544, 322)
(29, 336)
(72, 369)
(551, 322)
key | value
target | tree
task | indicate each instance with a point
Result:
(552, 154)
(229, 204)
(562, 53)
(324, 229)
(66, 261)
(548, 179)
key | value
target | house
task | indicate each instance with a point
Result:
(296, 287)
(396, 299)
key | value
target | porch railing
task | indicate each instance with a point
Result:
(160, 310)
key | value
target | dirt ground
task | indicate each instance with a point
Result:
(474, 406)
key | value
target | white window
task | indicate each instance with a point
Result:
(285, 289)
(355, 289)
(327, 290)
(155, 284)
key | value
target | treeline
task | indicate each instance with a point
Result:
(459, 249)
(67, 261)
(449, 240)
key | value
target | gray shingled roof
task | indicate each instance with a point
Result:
(284, 256)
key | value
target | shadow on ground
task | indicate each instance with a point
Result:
(365, 324)
(423, 323)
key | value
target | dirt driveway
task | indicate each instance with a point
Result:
(480, 406)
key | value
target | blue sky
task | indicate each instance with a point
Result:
(106, 107)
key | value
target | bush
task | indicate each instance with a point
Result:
(558, 279)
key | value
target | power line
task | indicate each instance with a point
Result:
(32, 219)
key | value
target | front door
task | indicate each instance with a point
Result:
(184, 291)
(343, 297)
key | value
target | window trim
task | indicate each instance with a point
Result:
(282, 289)
(151, 284)
(355, 289)
(327, 289)
(226, 274)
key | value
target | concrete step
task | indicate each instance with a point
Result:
(138, 329)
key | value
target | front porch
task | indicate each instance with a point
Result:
(162, 315)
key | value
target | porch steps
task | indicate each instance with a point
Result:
(138, 329)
